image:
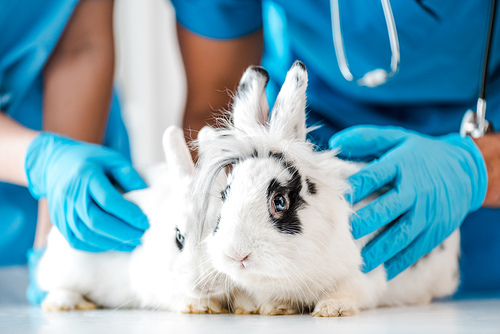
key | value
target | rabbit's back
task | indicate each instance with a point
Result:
(435, 275)
(100, 277)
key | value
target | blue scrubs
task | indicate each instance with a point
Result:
(30, 30)
(441, 45)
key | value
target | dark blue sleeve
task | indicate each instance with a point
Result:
(220, 19)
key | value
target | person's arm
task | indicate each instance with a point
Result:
(77, 89)
(77, 178)
(489, 146)
(78, 77)
(77, 81)
(14, 142)
(212, 68)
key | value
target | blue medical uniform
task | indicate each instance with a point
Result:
(30, 30)
(441, 44)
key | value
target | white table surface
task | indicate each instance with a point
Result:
(469, 314)
(457, 316)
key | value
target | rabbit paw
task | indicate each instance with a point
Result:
(335, 308)
(241, 311)
(65, 300)
(276, 308)
(205, 306)
(242, 303)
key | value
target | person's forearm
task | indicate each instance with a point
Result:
(212, 68)
(490, 148)
(14, 142)
(78, 78)
(78, 81)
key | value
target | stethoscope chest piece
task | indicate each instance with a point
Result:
(472, 127)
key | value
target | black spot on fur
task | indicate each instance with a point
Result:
(261, 71)
(242, 89)
(233, 160)
(280, 157)
(298, 80)
(289, 222)
(255, 153)
(277, 155)
(301, 64)
(311, 187)
(245, 86)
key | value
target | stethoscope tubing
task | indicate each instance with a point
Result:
(338, 43)
(487, 50)
(473, 123)
(482, 125)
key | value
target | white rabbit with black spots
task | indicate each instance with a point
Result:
(168, 271)
(283, 232)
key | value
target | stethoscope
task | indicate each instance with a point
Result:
(474, 124)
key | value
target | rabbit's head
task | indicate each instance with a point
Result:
(172, 249)
(283, 214)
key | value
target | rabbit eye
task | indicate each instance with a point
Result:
(179, 239)
(279, 203)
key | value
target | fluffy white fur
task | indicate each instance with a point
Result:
(156, 274)
(319, 268)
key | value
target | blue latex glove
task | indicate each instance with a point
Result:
(34, 294)
(76, 178)
(434, 182)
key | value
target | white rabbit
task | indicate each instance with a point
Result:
(169, 270)
(283, 232)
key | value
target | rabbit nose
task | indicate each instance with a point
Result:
(240, 258)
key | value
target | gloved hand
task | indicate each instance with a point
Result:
(76, 178)
(34, 294)
(433, 183)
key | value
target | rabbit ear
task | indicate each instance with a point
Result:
(179, 161)
(206, 134)
(250, 107)
(204, 142)
(288, 117)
